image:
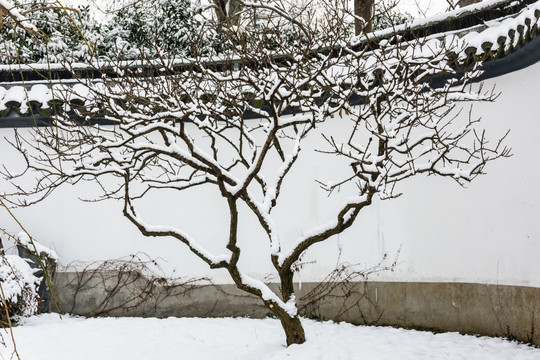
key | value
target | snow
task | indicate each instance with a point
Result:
(503, 30)
(18, 281)
(496, 31)
(268, 295)
(31, 244)
(193, 245)
(434, 14)
(40, 94)
(47, 337)
(16, 15)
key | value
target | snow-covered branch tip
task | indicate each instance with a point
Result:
(6, 7)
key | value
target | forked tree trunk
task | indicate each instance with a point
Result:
(294, 331)
(228, 12)
(363, 9)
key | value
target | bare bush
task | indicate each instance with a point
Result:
(346, 284)
(124, 286)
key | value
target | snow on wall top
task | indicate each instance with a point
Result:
(34, 100)
(489, 40)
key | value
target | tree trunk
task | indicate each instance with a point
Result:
(228, 12)
(363, 9)
(294, 331)
(463, 3)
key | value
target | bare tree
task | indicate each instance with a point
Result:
(237, 123)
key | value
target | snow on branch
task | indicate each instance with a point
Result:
(214, 261)
(237, 128)
(11, 11)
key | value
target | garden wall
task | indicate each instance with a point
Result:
(493, 310)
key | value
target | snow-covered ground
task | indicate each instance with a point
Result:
(47, 337)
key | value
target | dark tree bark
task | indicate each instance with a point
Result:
(294, 332)
(463, 3)
(363, 9)
(228, 12)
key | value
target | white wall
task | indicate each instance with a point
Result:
(488, 232)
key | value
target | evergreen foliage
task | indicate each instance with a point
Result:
(160, 26)
(386, 15)
(143, 29)
(60, 28)
(74, 36)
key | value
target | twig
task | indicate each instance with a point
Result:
(9, 322)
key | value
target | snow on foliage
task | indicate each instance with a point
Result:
(19, 285)
(143, 29)
(75, 35)
(21, 275)
(24, 240)
(56, 32)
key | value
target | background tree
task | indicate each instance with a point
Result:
(387, 15)
(370, 15)
(363, 11)
(237, 124)
(154, 26)
(56, 31)
(228, 12)
(75, 35)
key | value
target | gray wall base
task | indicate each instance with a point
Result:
(493, 310)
